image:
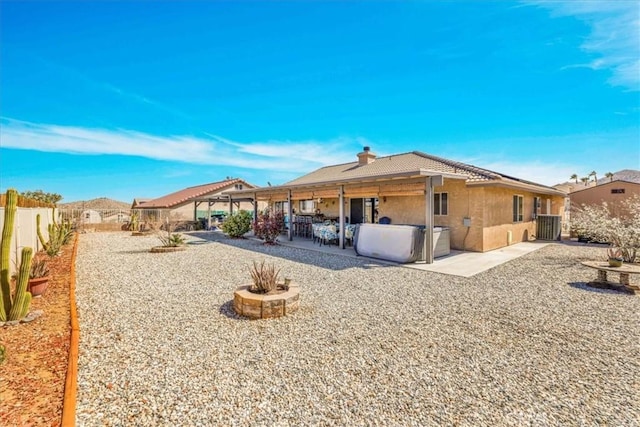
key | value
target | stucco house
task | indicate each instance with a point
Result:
(195, 202)
(620, 186)
(483, 209)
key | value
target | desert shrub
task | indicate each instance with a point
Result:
(619, 225)
(268, 225)
(264, 277)
(237, 225)
(171, 240)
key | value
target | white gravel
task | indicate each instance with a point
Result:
(525, 343)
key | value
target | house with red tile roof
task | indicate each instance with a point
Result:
(483, 209)
(195, 202)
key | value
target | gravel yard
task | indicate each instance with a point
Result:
(525, 343)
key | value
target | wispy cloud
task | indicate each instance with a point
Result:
(614, 36)
(284, 156)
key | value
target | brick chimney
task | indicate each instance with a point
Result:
(366, 157)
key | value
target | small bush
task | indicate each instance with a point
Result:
(268, 226)
(237, 225)
(171, 240)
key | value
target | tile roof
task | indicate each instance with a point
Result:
(407, 162)
(183, 196)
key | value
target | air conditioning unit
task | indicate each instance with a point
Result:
(549, 227)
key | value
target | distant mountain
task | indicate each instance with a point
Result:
(99, 203)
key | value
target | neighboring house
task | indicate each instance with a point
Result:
(484, 210)
(138, 201)
(195, 202)
(621, 186)
(90, 216)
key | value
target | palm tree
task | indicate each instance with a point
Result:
(594, 175)
(574, 176)
(585, 180)
(609, 175)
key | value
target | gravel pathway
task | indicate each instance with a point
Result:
(525, 343)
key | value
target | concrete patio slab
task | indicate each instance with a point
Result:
(458, 263)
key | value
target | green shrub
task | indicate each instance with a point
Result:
(238, 224)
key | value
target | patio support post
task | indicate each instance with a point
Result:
(290, 216)
(341, 213)
(428, 222)
(255, 206)
(209, 215)
(230, 205)
(195, 210)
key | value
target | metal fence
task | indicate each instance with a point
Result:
(121, 219)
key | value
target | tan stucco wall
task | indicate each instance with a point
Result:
(463, 203)
(602, 193)
(500, 230)
(490, 210)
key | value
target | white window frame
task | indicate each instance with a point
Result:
(438, 205)
(307, 206)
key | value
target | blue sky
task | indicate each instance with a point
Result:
(139, 99)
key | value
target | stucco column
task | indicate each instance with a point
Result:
(208, 214)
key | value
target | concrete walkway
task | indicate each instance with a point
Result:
(458, 263)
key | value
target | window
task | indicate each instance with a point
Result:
(238, 186)
(518, 202)
(617, 191)
(537, 203)
(307, 206)
(441, 204)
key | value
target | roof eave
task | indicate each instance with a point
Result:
(330, 183)
(518, 185)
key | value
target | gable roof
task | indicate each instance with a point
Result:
(189, 193)
(411, 162)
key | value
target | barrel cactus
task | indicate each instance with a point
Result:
(13, 306)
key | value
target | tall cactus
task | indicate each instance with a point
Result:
(59, 235)
(16, 306)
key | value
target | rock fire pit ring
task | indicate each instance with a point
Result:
(266, 306)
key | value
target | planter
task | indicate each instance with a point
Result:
(266, 306)
(162, 249)
(38, 286)
(613, 262)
